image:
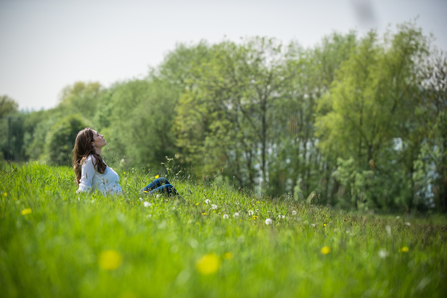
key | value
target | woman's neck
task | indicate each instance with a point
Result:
(98, 151)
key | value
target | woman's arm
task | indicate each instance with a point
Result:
(87, 173)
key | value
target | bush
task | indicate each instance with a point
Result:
(60, 140)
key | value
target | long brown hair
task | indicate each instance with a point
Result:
(83, 148)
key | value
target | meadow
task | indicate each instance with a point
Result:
(211, 242)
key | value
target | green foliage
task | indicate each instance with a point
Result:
(7, 105)
(356, 121)
(57, 244)
(60, 140)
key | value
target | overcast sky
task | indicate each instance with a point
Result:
(47, 45)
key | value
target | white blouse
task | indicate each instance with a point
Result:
(107, 183)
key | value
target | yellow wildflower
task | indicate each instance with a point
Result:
(228, 255)
(197, 204)
(5, 194)
(325, 250)
(403, 249)
(203, 213)
(110, 259)
(124, 173)
(208, 264)
(157, 176)
(324, 225)
(26, 211)
(145, 191)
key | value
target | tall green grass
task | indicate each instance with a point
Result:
(56, 243)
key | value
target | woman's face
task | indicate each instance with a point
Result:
(98, 140)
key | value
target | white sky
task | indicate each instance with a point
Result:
(47, 45)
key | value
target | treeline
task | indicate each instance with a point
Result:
(354, 122)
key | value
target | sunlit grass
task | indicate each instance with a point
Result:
(211, 243)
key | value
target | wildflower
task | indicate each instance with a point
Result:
(403, 249)
(5, 194)
(124, 173)
(383, 253)
(388, 230)
(254, 217)
(281, 216)
(110, 259)
(257, 202)
(236, 215)
(228, 255)
(408, 224)
(156, 177)
(250, 212)
(293, 212)
(141, 199)
(197, 204)
(324, 225)
(147, 204)
(397, 217)
(325, 250)
(225, 216)
(157, 196)
(313, 225)
(268, 221)
(207, 201)
(204, 213)
(26, 211)
(208, 264)
(213, 206)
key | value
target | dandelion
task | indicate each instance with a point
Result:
(147, 204)
(208, 264)
(225, 216)
(26, 211)
(156, 177)
(213, 207)
(207, 201)
(5, 194)
(157, 196)
(141, 199)
(397, 217)
(325, 250)
(145, 191)
(257, 202)
(268, 221)
(293, 212)
(408, 224)
(388, 230)
(281, 216)
(228, 255)
(312, 225)
(124, 173)
(324, 225)
(197, 204)
(403, 249)
(236, 215)
(110, 259)
(250, 212)
(383, 253)
(204, 213)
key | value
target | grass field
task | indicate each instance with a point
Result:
(56, 243)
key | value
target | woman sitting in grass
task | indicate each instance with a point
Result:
(92, 172)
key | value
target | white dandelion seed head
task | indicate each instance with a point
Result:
(293, 212)
(207, 201)
(281, 216)
(147, 204)
(225, 216)
(268, 221)
(388, 230)
(157, 196)
(312, 225)
(213, 206)
(141, 199)
(257, 210)
(236, 215)
(250, 212)
(383, 253)
(408, 224)
(397, 217)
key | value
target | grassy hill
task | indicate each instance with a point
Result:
(56, 243)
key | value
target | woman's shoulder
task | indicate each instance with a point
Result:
(89, 160)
